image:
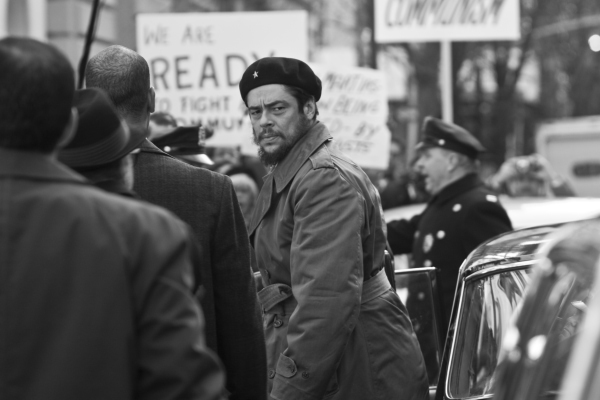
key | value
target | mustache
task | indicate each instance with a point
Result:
(268, 132)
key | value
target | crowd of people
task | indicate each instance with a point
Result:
(127, 249)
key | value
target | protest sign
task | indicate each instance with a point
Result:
(196, 61)
(450, 20)
(353, 106)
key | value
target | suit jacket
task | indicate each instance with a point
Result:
(95, 293)
(457, 220)
(207, 202)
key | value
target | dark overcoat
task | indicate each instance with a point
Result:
(459, 218)
(207, 202)
(95, 293)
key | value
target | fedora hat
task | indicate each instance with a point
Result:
(102, 136)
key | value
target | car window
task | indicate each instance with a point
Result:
(486, 308)
(547, 328)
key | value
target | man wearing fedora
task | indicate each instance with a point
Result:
(102, 147)
(95, 289)
(334, 327)
(207, 202)
(461, 214)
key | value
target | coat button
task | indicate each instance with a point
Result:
(277, 323)
(305, 374)
(271, 374)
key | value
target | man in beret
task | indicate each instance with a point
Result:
(461, 214)
(334, 327)
(207, 202)
(102, 147)
(96, 289)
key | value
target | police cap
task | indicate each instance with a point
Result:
(280, 70)
(438, 133)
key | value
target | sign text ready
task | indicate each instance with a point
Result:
(196, 61)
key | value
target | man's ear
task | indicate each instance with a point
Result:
(69, 130)
(309, 109)
(453, 160)
(151, 100)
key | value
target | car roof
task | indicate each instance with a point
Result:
(520, 246)
(525, 211)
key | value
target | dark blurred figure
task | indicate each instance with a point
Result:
(529, 176)
(96, 288)
(207, 202)
(398, 185)
(102, 145)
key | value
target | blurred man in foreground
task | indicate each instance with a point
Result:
(461, 214)
(95, 289)
(334, 327)
(207, 202)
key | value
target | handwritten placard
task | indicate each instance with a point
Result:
(196, 61)
(354, 108)
(435, 20)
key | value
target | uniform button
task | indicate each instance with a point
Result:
(441, 234)
(427, 263)
(271, 374)
(305, 374)
(277, 323)
(456, 208)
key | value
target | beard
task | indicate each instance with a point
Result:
(275, 156)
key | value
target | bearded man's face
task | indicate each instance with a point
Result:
(277, 122)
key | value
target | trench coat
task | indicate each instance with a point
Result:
(206, 201)
(334, 327)
(96, 293)
(459, 218)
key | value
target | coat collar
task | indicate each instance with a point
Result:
(302, 150)
(285, 171)
(33, 165)
(149, 147)
(460, 186)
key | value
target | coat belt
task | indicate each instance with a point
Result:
(278, 298)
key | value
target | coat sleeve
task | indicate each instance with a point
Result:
(401, 233)
(484, 220)
(172, 358)
(326, 280)
(241, 343)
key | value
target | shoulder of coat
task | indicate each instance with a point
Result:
(321, 158)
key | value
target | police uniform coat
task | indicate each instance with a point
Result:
(459, 218)
(206, 200)
(95, 293)
(318, 234)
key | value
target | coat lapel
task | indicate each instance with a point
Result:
(263, 203)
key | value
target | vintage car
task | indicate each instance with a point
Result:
(553, 328)
(491, 284)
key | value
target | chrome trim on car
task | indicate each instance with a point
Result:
(463, 281)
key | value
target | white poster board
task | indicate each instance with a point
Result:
(450, 20)
(197, 60)
(354, 108)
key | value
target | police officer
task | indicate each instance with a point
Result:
(461, 214)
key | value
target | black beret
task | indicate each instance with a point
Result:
(438, 133)
(280, 70)
(101, 136)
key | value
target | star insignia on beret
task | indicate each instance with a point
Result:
(255, 74)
